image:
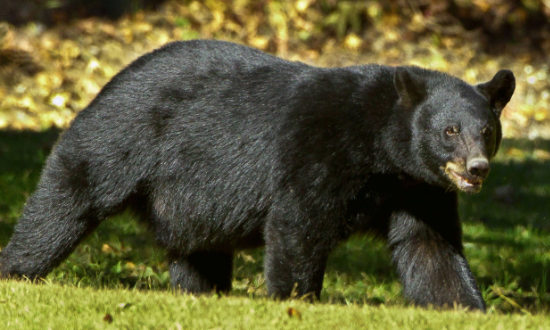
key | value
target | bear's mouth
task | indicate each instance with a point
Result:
(456, 172)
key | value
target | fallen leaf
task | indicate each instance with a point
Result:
(105, 248)
(108, 318)
(293, 312)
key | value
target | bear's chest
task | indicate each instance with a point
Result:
(375, 201)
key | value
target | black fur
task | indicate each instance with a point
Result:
(222, 147)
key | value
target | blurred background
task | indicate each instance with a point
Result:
(55, 55)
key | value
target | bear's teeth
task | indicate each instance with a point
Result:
(468, 183)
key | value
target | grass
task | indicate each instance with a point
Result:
(25, 306)
(506, 234)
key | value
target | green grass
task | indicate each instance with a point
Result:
(506, 234)
(26, 306)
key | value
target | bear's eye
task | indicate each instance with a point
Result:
(486, 131)
(452, 130)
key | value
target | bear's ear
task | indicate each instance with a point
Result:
(499, 90)
(410, 86)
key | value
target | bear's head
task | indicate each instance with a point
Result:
(455, 127)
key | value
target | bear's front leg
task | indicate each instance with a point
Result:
(295, 257)
(430, 261)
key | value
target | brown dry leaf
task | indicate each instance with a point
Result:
(293, 312)
(108, 318)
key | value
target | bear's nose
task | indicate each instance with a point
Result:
(478, 166)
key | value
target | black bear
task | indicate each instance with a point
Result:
(222, 147)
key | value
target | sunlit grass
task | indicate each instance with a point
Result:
(43, 306)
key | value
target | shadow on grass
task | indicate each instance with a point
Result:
(22, 155)
(507, 225)
(507, 230)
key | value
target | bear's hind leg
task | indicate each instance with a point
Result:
(202, 272)
(70, 201)
(52, 224)
(296, 254)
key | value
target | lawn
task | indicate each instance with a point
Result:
(26, 306)
(117, 276)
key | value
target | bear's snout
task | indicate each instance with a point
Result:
(467, 175)
(478, 166)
